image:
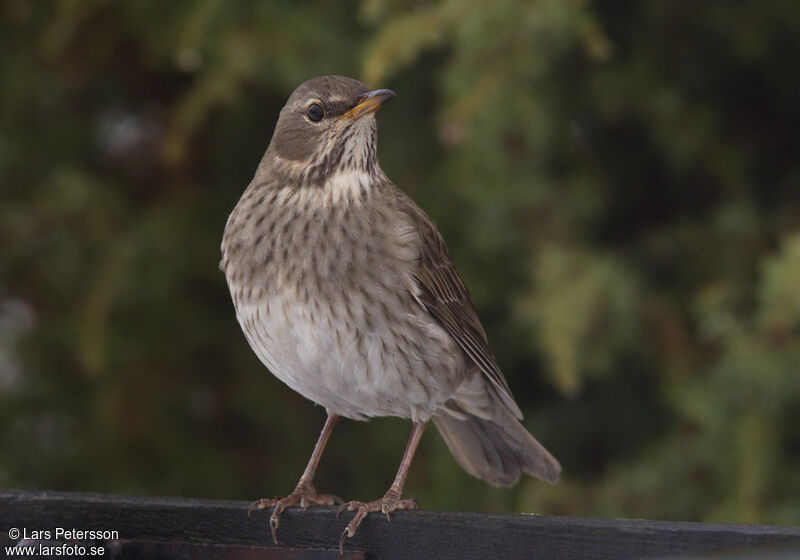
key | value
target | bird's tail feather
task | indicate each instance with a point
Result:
(497, 449)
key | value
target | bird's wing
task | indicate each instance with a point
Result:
(444, 295)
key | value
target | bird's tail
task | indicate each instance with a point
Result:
(497, 449)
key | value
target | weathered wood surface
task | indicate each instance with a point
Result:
(195, 528)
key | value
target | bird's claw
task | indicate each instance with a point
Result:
(304, 495)
(263, 503)
(385, 505)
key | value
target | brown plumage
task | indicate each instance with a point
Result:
(345, 290)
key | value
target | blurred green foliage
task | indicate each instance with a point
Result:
(619, 184)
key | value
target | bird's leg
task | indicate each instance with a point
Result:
(391, 500)
(304, 493)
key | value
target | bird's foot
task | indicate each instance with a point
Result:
(304, 494)
(390, 502)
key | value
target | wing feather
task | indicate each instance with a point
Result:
(445, 296)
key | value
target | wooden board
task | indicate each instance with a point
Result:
(195, 528)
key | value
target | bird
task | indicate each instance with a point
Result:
(345, 290)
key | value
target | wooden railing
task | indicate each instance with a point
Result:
(142, 527)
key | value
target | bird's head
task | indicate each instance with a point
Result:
(327, 125)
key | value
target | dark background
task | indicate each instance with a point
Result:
(618, 182)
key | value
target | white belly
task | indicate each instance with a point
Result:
(358, 365)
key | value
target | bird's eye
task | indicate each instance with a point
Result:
(315, 112)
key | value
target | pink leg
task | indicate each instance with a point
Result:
(391, 500)
(304, 493)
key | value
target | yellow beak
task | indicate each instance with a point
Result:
(370, 102)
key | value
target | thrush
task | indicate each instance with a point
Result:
(345, 290)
